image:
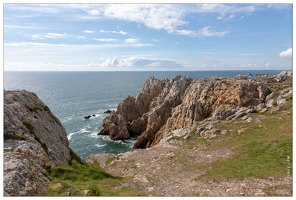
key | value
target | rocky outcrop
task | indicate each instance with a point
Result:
(166, 105)
(34, 141)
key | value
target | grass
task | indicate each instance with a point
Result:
(260, 151)
(85, 179)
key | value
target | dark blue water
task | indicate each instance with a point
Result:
(73, 95)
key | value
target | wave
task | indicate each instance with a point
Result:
(83, 130)
(128, 142)
(100, 145)
(66, 119)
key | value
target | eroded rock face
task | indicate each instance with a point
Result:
(34, 141)
(167, 105)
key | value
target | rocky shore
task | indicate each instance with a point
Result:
(184, 124)
(166, 105)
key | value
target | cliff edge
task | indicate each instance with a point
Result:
(34, 141)
(166, 105)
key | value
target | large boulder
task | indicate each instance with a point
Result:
(34, 141)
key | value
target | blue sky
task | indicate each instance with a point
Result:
(107, 37)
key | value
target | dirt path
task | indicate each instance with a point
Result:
(172, 169)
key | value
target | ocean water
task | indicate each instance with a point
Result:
(73, 95)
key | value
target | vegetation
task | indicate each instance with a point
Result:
(84, 179)
(260, 149)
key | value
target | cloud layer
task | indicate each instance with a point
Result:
(140, 63)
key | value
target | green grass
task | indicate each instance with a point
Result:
(261, 151)
(80, 177)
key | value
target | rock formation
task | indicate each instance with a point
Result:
(34, 141)
(166, 105)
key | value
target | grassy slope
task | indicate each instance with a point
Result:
(261, 150)
(80, 177)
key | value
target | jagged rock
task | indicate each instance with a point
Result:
(166, 105)
(286, 73)
(283, 76)
(34, 141)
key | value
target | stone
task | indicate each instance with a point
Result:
(32, 145)
(280, 100)
(140, 178)
(108, 111)
(167, 105)
(245, 117)
(85, 192)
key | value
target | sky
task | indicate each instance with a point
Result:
(147, 37)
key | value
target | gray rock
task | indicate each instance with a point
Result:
(280, 100)
(223, 114)
(270, 96)
(34, 141)
(183, 132)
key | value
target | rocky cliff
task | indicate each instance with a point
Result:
(34, 141)
(166, 105)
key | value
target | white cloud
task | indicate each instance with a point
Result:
(94, 12)
(88, 31)
(186, 32)
(223, 8)
(269, 65)
(135, 42)
(286, 54)
(246, 65)
(141, 63)
(55, 35)
(37, 37)
(132, 40)
(116, 32)
(110, 62)
(148, 14)
(207, 32)
(230, 17)
(106, 39)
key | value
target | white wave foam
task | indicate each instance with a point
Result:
(70, 136)
(128, 142)
(83, 130)
(94, 134)
(66, 119)
(100, 145)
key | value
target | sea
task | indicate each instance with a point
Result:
(73, 95)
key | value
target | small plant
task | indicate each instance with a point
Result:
(28, 124)
(93, 191)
